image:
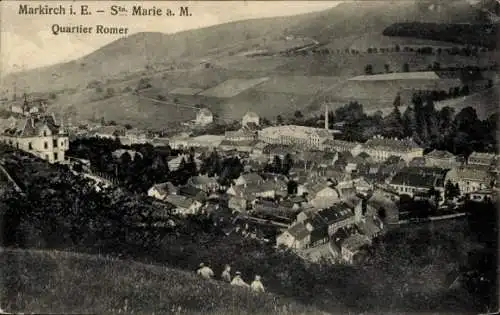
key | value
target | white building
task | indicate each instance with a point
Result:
(470, 178)
(381, 148)
(250, 117)
(39, 135)
(481, 158)
(309, 137)
(204, 117)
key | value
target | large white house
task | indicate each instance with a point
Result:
(295, 135)
(40, 135)
(381, 148)
(249, 118)
(204, 117)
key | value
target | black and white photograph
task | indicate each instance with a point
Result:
(249, 157)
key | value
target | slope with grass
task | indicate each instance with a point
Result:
(64, 282)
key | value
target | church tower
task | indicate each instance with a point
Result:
(26, 106)
(327, 123)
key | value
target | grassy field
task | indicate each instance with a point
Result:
(63, 282)
(233, 87)
(300, 85)
(486, 102)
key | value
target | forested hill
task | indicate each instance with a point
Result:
(484, 35)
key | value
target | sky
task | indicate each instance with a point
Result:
(27, 41)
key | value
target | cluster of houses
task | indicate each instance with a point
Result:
(346, 193)
(335, 198)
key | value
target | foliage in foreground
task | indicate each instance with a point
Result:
(409, 266)
(62, 282)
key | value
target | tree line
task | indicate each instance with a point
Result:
(442, 129)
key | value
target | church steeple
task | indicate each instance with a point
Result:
(26, 106)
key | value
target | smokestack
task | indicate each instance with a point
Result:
(326, 117)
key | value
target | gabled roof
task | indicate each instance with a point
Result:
(439, 154)
(474, 174)
(391, 144)
(165, 188)
(32, 126)
(203, 180)
(298, 231)
(336, 213)
(341, 145)
(424, 177)
(193, 192)
(252, 178)
(180, 201)
(314, 188)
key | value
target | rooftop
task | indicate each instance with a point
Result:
(32, 126)
(482, 155)
(298, 231)
(251, 178)
(392, 144)
(438, 154)
(295, 131)
(336, 213)
(179, 201)
(203, 180)
(419, 177)
(474, 173)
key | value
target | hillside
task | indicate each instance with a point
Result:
(485, 103)
(158, 50)
(484, 35)
(206, 58)
(64, 282)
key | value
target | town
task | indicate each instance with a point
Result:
(325, 157)
(289, 185)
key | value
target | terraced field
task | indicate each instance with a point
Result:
(233, 87)
(298, 85)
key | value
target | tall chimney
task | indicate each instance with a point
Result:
(326, 117)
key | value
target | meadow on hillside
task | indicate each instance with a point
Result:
(65, 282)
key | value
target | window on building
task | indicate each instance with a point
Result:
(30, 146)
(55, 156)
(45, 145)
(54, 143)
(45, 133)
(47, 157)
